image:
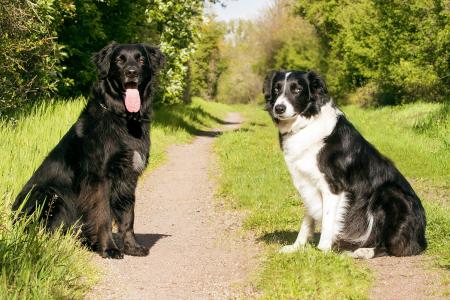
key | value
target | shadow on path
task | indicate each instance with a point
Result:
(145, 239)
(149, 240)
(173, 117)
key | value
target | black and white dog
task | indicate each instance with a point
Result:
(356, 193)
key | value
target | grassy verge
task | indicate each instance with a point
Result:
(34, 265)
(254, 178)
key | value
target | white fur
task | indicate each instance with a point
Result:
(305, 233)
(138, 162)
(363, 253)
(366, 235)
(301, 145)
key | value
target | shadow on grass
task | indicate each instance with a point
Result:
(244, 130)
(284, 237)
(257, 124)
(174, 117)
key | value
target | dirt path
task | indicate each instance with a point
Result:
(398, 278)
(195, 251)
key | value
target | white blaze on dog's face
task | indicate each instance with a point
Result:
(292, 94)
(283, 108)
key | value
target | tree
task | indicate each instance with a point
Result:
(30, 56)
(278, 39)
(207, 62)
(386, 52)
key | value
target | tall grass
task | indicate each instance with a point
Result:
(34, 264)
(254, 178)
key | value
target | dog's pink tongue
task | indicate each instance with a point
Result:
(132, 100)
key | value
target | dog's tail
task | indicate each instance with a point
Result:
(44, 202)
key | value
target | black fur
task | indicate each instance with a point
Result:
(373, 185)
(353, 166)
(89, 176)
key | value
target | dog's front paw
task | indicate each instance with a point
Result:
(324, 246)
(112, 253)
(291, 248)
(136, 250)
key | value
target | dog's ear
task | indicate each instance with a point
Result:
(102, 59)
(154, 56)
(267, 87)
(317, 85)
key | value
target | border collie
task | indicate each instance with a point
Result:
(90, 177)
(356, 193)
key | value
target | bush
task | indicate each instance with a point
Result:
(29, 55)
(177, 24)
(47, 44)
(207, 63)
(276, 40)
(404, 49)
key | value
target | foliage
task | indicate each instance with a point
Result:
(276, 40)
(177, 23)
(29, 53)
(239, 83)
(87, 26)
(172, 25)
(400, 49)
(35, 266)
(47, 44)
(207, 62)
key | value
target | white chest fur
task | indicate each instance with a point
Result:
(138, 162)
(302, 143)
(301, 146)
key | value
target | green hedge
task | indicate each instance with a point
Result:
(384, 51)
(30, 56)
(47, 44)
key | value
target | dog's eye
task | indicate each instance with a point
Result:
(276, 91)
(120, 59)
(297, 91)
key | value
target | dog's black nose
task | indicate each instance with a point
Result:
(131, 72)
(280, 108)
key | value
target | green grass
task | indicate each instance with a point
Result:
(254, 178)
(35, 265)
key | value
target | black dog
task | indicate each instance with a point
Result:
(90, 177)
(356, 193)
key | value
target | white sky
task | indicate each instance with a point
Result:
(239, 9)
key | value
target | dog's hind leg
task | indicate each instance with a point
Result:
(97, 220)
